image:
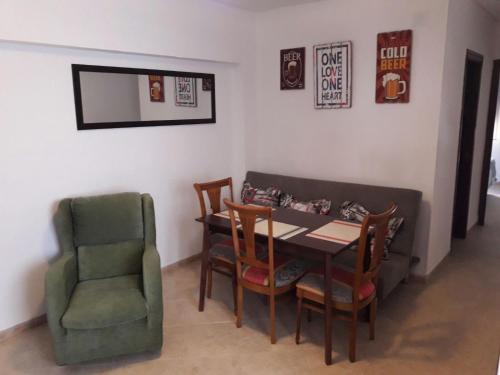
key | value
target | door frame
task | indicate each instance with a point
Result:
(461, 211)
(488, 142)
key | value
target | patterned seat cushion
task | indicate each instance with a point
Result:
(215, 238)
(342, 281)
(318, 206)
(286, 272)
(224, 250)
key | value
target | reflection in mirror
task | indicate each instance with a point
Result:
(109, 97)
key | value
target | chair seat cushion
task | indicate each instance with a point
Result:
(105, 302)
(286, 272)
(342, 282)
(224, 250)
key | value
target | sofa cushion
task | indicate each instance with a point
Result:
(356, 212)
(102, 261)
(317, 206)
(105, 302)
(107, 219)
(269, 196)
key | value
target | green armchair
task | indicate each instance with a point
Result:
(104, 294)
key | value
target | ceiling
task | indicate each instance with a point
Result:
(492, 6)
(262, 5)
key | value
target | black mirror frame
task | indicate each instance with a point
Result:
(77, 68)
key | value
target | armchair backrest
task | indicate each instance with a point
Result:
(108, 234)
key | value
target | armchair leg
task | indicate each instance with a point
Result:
(299, 320)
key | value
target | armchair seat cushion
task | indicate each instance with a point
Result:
(105, 302)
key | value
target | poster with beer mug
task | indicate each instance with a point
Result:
(156, 89)
(292, 63)
(332, 75)
(393, 67)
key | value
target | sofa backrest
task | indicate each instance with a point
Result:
(375, 198)
(108, 235)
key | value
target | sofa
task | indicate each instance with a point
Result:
(374, 198)
(104, 293)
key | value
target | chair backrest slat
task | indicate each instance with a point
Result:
(374, 226)
(213, 190)
(247, 216)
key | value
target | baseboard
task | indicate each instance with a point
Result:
(21, 327)
(426, 278)
(181, 263)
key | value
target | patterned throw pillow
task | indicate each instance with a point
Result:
(354, 211)
(263, 197)
(318, 206)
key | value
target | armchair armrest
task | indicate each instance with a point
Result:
(60, 281)
(152, 282)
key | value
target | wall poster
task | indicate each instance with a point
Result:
(156, 89)
(292, 65)
(393, 67)
(332, 75)
(185, 92)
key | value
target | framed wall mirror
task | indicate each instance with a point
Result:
(112, 97)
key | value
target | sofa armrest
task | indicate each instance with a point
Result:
(60, 281)
(152, 281)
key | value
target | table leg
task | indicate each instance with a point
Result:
(328, 309)
(203, 273)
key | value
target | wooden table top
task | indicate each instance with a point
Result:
(293, 217)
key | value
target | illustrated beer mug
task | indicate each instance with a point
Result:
(393, 86)
(156, 91)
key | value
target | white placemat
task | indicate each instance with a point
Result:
(343, 232)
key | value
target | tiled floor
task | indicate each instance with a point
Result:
(449, 325)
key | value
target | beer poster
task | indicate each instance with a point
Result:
(292, 63)
(393, 67)
(185, 92)
(332, 75)
(156, 89)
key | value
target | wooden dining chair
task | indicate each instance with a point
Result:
(221, 258)
(351, 290)
(267, 274)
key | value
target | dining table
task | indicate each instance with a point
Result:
(303, 244)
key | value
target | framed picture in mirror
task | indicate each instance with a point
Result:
(117, 97)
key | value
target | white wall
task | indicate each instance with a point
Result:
(468, 28)
(43, 158)
(392, 145)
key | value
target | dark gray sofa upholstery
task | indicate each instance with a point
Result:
(375, 199)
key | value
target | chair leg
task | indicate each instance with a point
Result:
(373, 316)
(352, 336)
(209, 280)
(272, 316)
(235, 293)
(239, 308)
(299, 320)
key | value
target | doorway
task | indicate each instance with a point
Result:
(470, 101)
(491, 163)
